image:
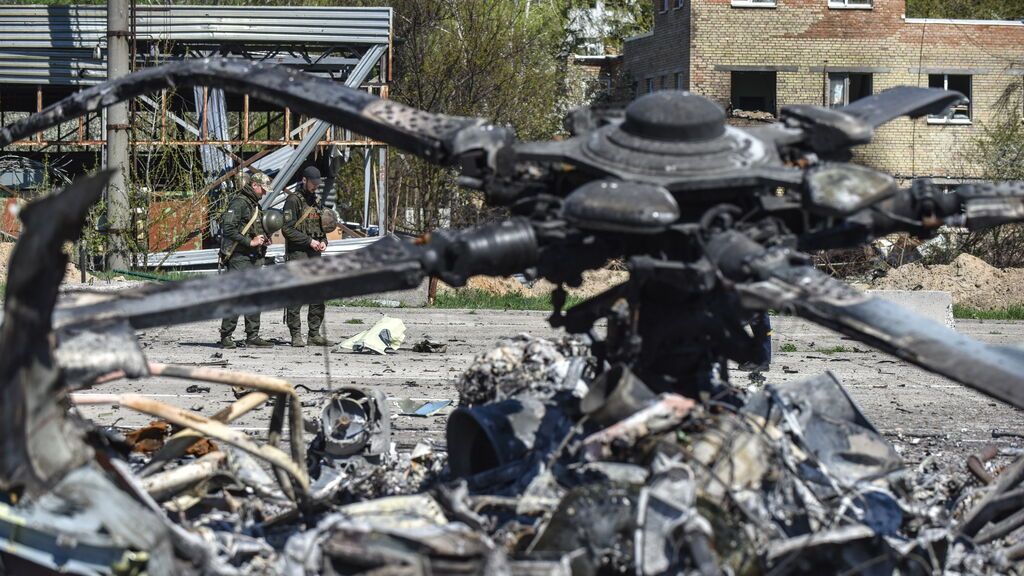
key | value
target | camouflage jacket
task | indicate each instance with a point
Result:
(297, 235)
(240, 209)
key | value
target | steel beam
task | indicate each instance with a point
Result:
(319, 129)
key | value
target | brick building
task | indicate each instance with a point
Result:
(758, 55)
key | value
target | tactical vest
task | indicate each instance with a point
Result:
(311, 225)
(255, 230)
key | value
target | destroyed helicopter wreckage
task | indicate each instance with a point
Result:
(619, 450)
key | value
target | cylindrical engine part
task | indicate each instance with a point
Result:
(485, 437)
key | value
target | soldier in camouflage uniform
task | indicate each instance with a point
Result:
(243, 249)
(305, 238)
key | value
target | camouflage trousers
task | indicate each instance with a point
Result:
(293, 314)
(252, 321)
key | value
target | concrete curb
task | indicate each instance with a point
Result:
(934, 305)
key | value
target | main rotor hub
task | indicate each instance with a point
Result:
(674, 117)
(675, 134)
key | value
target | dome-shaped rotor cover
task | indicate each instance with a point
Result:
(674, 133)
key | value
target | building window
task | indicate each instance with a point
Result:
(958, 113)
(679, 4)
(844, 88)
(664, 82)
(855, 4)
(753, 3)
(662, 5)
(649, 86)
(753, 92)
(679, 85)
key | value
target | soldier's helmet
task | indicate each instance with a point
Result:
(273, 220)
(329, 220)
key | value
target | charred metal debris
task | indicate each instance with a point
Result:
(623, 449)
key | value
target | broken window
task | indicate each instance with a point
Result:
(849, 3)
(844, 88)
(959, 113)
(753, 91)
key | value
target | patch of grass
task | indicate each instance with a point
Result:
(835, 350)
(481, 299)
(146, 275)
(353, 321)
(787, 347)
(362, 303)
(1015, 312)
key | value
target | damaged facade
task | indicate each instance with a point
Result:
(754, 56)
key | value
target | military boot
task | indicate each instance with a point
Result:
(227, 342)
(318, 340)
(297, 341)
(257, 342)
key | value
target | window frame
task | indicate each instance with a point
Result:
(949, 120)
(664, 6)
(679, 4)
(846, 86)
(753, 3)
(649, 85)
(851, 4)
(773, 100)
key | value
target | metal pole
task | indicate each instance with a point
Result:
(118, 209)
(382, 191)
(367, 181)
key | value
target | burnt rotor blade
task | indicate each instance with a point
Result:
(426, 134)
(812, 294)
(388, 264)
(880, 108)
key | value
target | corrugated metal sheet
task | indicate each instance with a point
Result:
(187, 258)
(66, 44)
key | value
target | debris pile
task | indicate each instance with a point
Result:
(72, 275)
(594, 282)
(971, 281)
(556, 467)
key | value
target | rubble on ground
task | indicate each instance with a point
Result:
(72, 275)
(594, 282)
(554, 468)
(971, 281)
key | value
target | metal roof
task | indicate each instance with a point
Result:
(67, 44)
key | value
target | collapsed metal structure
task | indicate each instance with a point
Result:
(621, 450)
(47, 52)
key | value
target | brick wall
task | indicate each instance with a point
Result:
(803, 40)
(663, 53)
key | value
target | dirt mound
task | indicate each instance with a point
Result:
(970, 280)
(71, 276)
(594, 282)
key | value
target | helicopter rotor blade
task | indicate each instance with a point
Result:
(386, 265)
(782, 280)
(429, 135)
(911, 101)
